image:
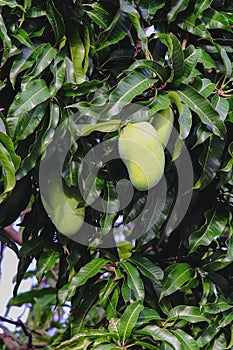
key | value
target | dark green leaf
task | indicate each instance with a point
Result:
(191, 314)
(175, 7)
(56, 20)
(147, 268)
(91, 269)
(127, 89)
(134, 280)
(163, 335)
(178, 275)
(128, 320)
(210, 160)
(200, 105)
(214, 225)
(46, 262)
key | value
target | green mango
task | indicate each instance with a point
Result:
(163, 123)
(61, 205)
(142, 152)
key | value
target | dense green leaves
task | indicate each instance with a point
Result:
(82, 70)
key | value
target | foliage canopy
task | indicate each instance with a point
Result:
(62, 63)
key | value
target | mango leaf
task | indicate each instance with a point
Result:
(177, 57)
(148, 315)
(134, 280)
(210, 160)
(147, 268)
(160, 71)
(185, 122)
(135, 19)
(202, 5)
(188, 342)
(46, 262)
(216, 220)
(128, 320)
(35, 93)
(127, 89)
(8, 171)
(78, 51)
(207, 60)
(191, 58)
(108, 298)
(23, 37)
(30, 296)
(10, 3)
(200, 105)
(207, 335)
(87, 271)
(7, 142)
(191, 314)
(226, 60)
(100, 14)
(116, 31)
(43, 60)
(27, 123)
(56, 20)
(145, 345)
(162, 335)
(4, 37)
(24, 61)
(177, 275)
(175, 7)
(194, 26)
(215, 20)
(221, 105)
(109, 126)
(207, 87)
(42, 140)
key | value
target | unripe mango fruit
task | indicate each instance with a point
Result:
(163, 123)
(61, 205)
(140, 149)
